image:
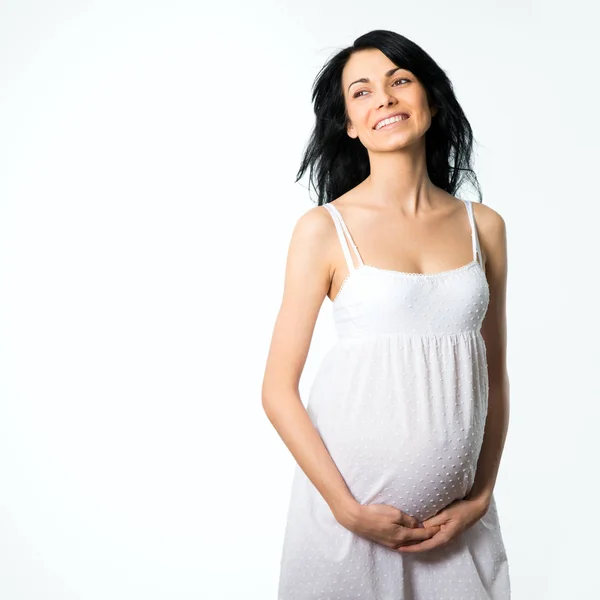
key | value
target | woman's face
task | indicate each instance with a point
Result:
(385, 93)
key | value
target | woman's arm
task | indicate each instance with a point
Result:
(307, 281)
(493, 330)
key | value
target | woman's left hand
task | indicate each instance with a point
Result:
(453, 520)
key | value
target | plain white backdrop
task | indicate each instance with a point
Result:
(148, 152)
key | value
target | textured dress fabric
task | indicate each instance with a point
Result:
(400, 402)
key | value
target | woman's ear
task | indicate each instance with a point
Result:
(351, 131)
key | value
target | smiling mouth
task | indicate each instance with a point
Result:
(396, 119)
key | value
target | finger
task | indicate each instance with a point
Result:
(419, 534)
(438, 519)
(407, 520)
(429, 544)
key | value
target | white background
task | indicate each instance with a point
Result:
(147, 196)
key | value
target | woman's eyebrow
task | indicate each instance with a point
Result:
(366, 79)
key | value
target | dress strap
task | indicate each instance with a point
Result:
(341, 229)
(474, 237)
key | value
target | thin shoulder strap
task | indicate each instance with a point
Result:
(341, 228)
(474, 237)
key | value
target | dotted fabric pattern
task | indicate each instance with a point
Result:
(400, 402)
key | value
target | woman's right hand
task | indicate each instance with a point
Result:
(387, 525)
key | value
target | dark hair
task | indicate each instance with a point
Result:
(338, 162)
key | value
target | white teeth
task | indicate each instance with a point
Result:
(391, 120)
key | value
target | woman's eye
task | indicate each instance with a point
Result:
(357, 95)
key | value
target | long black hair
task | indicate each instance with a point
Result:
(337, 163)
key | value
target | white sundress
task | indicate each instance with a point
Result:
(400, 402)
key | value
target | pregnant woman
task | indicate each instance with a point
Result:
(399, 446)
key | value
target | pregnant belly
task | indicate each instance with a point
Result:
(403, 422)
(418, 468)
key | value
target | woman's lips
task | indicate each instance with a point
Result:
(390, 125)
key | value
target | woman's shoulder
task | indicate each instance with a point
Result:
(315, 227)
(487, 218)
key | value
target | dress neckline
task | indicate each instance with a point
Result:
(407, 274)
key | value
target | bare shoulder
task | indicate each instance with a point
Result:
(487, 219)
(313, 233)
(309, 262)
(315, 223)
(491, 228)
